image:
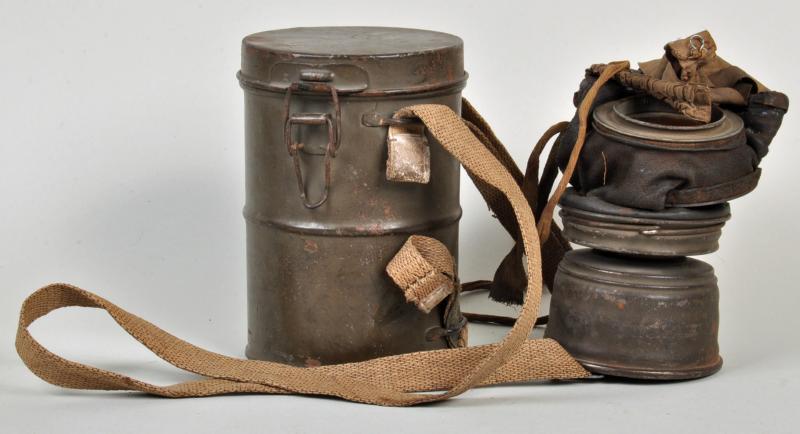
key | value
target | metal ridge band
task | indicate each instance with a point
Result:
(455, 85)
(353, 230)
(591, 273)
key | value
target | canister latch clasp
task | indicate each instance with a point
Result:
(317, 80)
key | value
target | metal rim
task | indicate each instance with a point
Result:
(618, 118)
(595, 208)
(641, 272)
(629, 107)
(641, 223)
(652, 374)
(249, 83)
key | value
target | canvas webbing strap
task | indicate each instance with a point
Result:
(390, 381)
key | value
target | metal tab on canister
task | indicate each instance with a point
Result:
(409, 157)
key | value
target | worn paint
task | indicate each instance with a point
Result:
(318, 292)
(636, 317)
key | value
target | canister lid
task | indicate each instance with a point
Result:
(356, 60)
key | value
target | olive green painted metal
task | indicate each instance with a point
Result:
(637, 317)
(322, 219)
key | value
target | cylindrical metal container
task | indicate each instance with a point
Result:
(593, 222)
(637, 317)
(323, 221)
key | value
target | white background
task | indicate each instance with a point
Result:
(121, 170)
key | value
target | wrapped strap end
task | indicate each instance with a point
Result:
(424, 270)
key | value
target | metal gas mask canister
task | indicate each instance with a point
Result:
(633, 305)
(323, 220)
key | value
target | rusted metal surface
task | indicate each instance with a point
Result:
(318, 292)
(373, 119)
(593, 222)
(637, 317)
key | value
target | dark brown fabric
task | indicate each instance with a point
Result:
(509, 281)
(762, 118)
(685, 61)
(655, 178)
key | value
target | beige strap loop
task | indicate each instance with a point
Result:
(384, 381)
(424, 270)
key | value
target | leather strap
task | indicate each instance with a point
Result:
(608, 73)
